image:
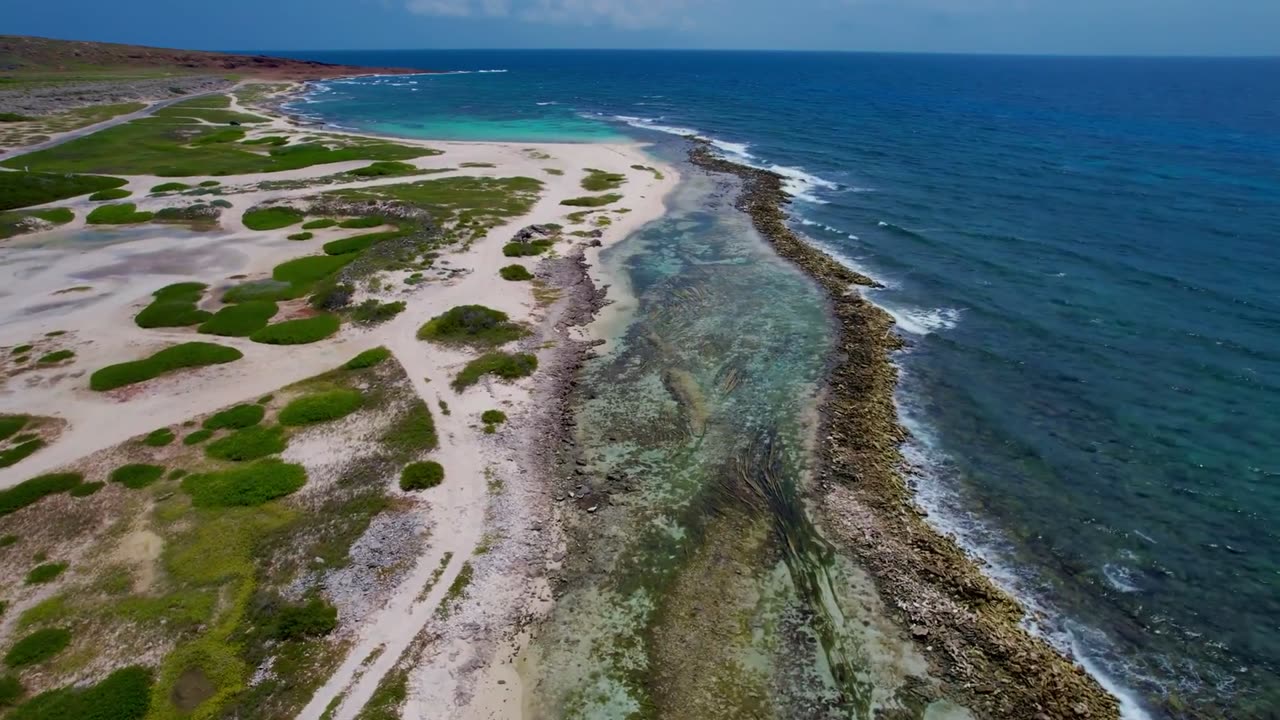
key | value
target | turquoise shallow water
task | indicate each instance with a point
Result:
(1081, 254)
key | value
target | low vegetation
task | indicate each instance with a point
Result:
(372, 312)
(174, 306)
(11, 424)
(384, 168)
(37, 647)
(36, 489)
(56, 356)
(110, 194)
(159, 438)
(526, 249)
(19, 452)
(321, 407)
(368, 358)
(359, 223)
(656, 173)
(592, 201)
(358, 243)
(23, 189)
(271, 218)
(117, 214)
(136, 476)
(421, 476)
(235, 418)
(18, 222)
(171, 359)
(170, 187)
(197, 437)
(246, 486)
(599, 180)
(319, 224)
(298, 237)
(252, 443)
(123, 695)
(240, 320)
(515, 272)
(492, 419)
(471, 325)
(506, 366)
(46, 572)
(298, 332)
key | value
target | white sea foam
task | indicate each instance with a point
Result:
(549, 102)
(736, 149)
(1120, 578)
(828, 228)
(922, 321)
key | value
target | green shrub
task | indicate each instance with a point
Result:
(86, 489)
(368, 358)
(11, 424)
(45, 573)
(7, 540)
(515, 273)
(271, 218)
(245, 486)
(412, 433)
(136, 476)
(504, 365)
(301, 236)
(321, 407)
(330, 296)
(421, 475)
(529, 249)
(10, 690)
(22, 189)
(158, 438)
(384, 168)
(298, 332)
(37, 647)
(358, 243)
(118, 214)
(15, 117)
(319, 224)
(592, 200)
(372, 312)
(176, 357)
(210, 183)
(56, 356)
(274, 140)
(174, 306)
(197, 437)
(235, 418)
(309, 269)
(471, 325)
(110, 194)
(240, 320)
(123, 695)
(266, 290)
(294, 622)
(170, 187)
(599, 180)
(251, 443)
(362, 222)
(493, 417)
(19, 452)
(21, 350)
(32, 491)
(229, 135)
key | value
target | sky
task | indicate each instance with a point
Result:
(1099, 27)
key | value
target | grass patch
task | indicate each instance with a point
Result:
(656, 173)
(10, 686)
(369, 221)
(503, 365)
(229, 135)
(118, 214)
(197, 437)
(529, 249)
(37, 647)
(466, 207)
(294, 622)
(36, 489)
(86, 489)
(170, 187)
(301, 236)
(592, 201)
(210, 184)
(235, 418)
(493, 417)
(240, 320)
(271, 218)
(298, 332)
(158, 438)
(252, 443)
(599, 180)
(321, 407)
(471, 325)
(213, 115)
(11, 424)
(304, 271)
(246, 486)
(24, 221)
(56, 356)
(123, 695)
(553, 171)
(47, 572)
(274, 140)
(18, 453)
(171, 359)
(137, 476)
(110, 194)
(319, 224)
(413, 433)
(359, 242)
(368, 358)
(174, 306)
(22, 189)
(372, 312)
(421, 476)
(384, 168)
(515, 273)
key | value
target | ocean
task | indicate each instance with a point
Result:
(1083, 255)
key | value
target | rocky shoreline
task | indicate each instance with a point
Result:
(967, 626)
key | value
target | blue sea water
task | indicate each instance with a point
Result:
(1084, 255)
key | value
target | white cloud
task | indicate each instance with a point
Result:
(626, 14)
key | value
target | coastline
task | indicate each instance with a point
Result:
(968, 627)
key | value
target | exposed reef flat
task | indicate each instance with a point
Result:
(968, 627)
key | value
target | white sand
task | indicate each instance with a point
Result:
(100, 328)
